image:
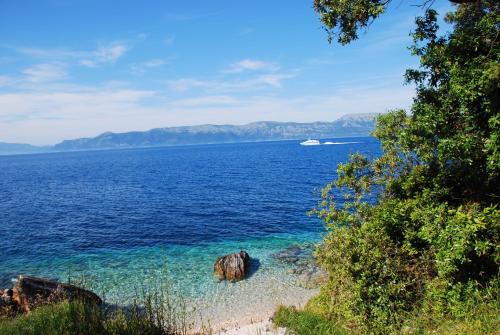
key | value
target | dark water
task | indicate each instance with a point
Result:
(60, 210)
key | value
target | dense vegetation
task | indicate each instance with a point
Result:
(425, 256)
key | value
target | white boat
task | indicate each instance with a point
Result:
(310, 142)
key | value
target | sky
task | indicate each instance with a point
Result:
(78, 68)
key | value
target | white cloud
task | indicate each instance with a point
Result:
(141, 68)
(205, 101)
(185, 84)
(50, 54)
(48, 117)
(154, 63)
(273, 80)
(105, 54)
(64, 103)
(45, 72)
(45, 117)
(110, 53)
(251, 65)
(5, 81)
(88, 63)
(374, 99)
(260, 82)
(102, 54)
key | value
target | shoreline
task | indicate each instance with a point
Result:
(254, 328)
(283, 274)
(257, 322)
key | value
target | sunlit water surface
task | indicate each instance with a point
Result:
(121, 219)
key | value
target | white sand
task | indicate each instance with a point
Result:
(257, 328)
(253, 316)
(253, 300)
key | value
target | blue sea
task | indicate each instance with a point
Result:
(120, 219)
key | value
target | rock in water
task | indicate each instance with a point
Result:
(232, 267)
(30, 292)
(304, 267)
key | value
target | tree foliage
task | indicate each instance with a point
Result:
(342, 19)
(430, 243)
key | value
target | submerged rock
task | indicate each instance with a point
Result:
(232, 267)
(304, 267)
(296, 254)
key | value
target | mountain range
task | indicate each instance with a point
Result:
(353, 125)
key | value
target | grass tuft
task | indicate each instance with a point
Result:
(304, 322)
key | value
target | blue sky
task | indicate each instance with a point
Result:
(77, 68)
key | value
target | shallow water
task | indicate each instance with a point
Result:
(121, 217)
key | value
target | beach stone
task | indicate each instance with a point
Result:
(232, 267)
(30, 292)
(304, 267)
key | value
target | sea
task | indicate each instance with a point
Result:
(121, 221)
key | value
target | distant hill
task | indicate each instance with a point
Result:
(20, 148)
(347, 126)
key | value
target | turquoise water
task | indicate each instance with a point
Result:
(122, 218)
(188, 268)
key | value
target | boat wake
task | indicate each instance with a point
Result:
(337, 143)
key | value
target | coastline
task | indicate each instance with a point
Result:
(259, 319)
(254, 328)
(282, 272)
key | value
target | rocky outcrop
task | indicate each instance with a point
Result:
(31, 292)
(232, 267)
(8, 307)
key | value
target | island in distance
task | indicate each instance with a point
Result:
(353, 125)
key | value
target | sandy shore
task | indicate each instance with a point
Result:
(260, 326)
(256, 328)
(256, 318)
